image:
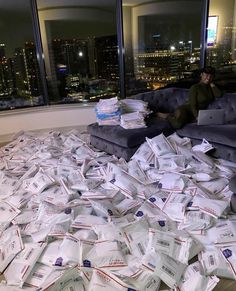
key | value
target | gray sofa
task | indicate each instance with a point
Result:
(123, 143)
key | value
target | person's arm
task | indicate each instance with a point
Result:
(216, 91)
(193, 101)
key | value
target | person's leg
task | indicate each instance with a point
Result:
(163, 115)
(180, 117)
(178, 112)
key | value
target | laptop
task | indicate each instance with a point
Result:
(211, 117)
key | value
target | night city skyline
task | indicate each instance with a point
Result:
(81, 63)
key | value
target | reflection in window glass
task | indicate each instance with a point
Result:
(221, 42)
(80, 49)
(19, 73)
(162, 42)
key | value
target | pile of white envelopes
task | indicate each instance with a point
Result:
(132, 120)
(73, 218)
(129, 105)
(108, 111)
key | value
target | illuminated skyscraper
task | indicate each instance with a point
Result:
(6, 80)
(107, 57)
(71, 62)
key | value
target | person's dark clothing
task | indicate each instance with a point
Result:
(200, 96)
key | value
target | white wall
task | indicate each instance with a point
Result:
(46, 117)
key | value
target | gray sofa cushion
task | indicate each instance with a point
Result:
(220, 151)
(130, 137)
(221, 134)
(165, 100)
(228, 103)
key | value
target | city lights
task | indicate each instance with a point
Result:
(80, 61)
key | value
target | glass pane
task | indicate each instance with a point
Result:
(80, 49)
(162, 43)
(19, 73)
(221, 42)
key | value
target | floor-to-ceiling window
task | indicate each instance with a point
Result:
(79, 48)
(79, 41)
(20, 84)
(162, 42)
(221, 42)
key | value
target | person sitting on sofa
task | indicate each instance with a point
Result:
(200, 96)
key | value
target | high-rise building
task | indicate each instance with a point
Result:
(72, 55)
(27, 78)
(32, 69)
(2, 51)
(160, 67)
(6, 80)
(70, 59)
(107, 57)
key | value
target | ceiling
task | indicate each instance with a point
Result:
(20, 5)
(100, 3)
